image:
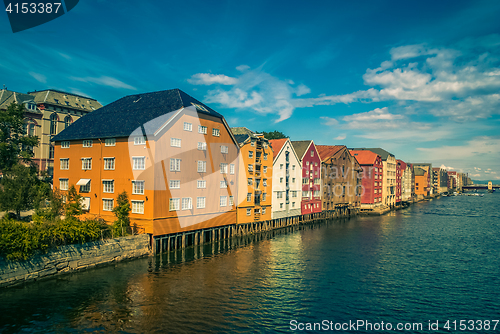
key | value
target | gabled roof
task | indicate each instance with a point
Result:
(277, 144)
(122, 117)
(300, 147)
(402, 163)
(241, 130)
(419, 171)
(364, 157)
(241, 138)
(380, 151)
(7, 97)
(328, 151)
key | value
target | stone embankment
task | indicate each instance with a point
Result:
(71, 258)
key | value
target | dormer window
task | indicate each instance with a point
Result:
(57, 101)
(30, 106)
(67, 103)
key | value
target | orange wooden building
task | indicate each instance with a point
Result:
(174, 156)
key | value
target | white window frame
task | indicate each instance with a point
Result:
(139, 140)
(65, 144)
(231, 169)
(188, 126)
(249, 212)
(110, 142)
(175, 165)
(63, 184)
(174, 184)
(136, 163)
(174, 204)
(202, 129)
(87, 143)
(175, 142)
(201, 166)
(201, 184)
(223, 168)
(187, 203)
(202, 146)
(64, 163)
(138, 187)
(224, 149)
(107, 201)
(223, 184)
(108, 186)
(86, 163)
(223, 201)
(215, 132)
(108, 165)
(138, 207)
(200, 202)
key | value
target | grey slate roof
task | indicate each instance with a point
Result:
(380, 151)
(241, 138)
(419, 171)
(7, 97)
(300, 147)
(242, 131)
(65, 100)
(122, 117)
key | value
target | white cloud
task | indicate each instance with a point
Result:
(341, 137)
(38, 77)
(373, 115)
(447, 168)
(210, 79)
(105, 81)
(479, 147)
(329, 121)
(253, 90)
(243, 68)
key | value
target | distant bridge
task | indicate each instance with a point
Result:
(480, 186)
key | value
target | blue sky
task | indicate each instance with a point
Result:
(420, 79)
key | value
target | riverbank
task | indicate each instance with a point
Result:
(71, 258)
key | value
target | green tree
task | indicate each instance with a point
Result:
(73, 205)
(122, 212)
(15, 144)
(273, 135)
(19, 189)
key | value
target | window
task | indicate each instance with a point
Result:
(250, 168)
(86, 163)
(53, 124)
(250, 154)
(85, 188)
(65, 144)
(281, 205)
(293, 167)
(202, 129)
(317, 181)
(264, 182)
(87, 143)
(202, 166)
(175, 184)
(139, 140)
(223, 168)
(109, 163)
(187, 203)
(231, 200)
(316, 193)
(294, 193)
(249, 197)
(279, 194)
(265, 156)
(107, 204)
(175, 142)
(264, 195)
(139, 163)
(223, 184)
(174, 204)
(263, 211)
(137, 206)
(188, 126)
(281, 180)
(231, 169)
(215, 132)
(223, 201)
(305, 180)
(138, 187)
(293, 204)
(63, 184)
(249, 212)
(67, 121)
(200, 202)
(265, 169)
(293, 180)
(252, 143)
(224, 149)
(201, 184)
(202, 146)
(256, 211)
(312, 153)
(64, 163)
(110, 142)
(175, 165)
(281, 166)
(250, 181)
(307, 163)
(108, 186)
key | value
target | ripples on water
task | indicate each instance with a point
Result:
(436, 260)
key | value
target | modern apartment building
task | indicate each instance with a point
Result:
(406, 180)
(287, 185)
(422, 188)
(311, 176)
(440, 180)
(176, 158)
(255, 176)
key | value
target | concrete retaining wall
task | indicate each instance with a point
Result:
(73, 257)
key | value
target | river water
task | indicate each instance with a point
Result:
(435, 261)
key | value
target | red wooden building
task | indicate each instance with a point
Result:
(311, 176)
(372, 177)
